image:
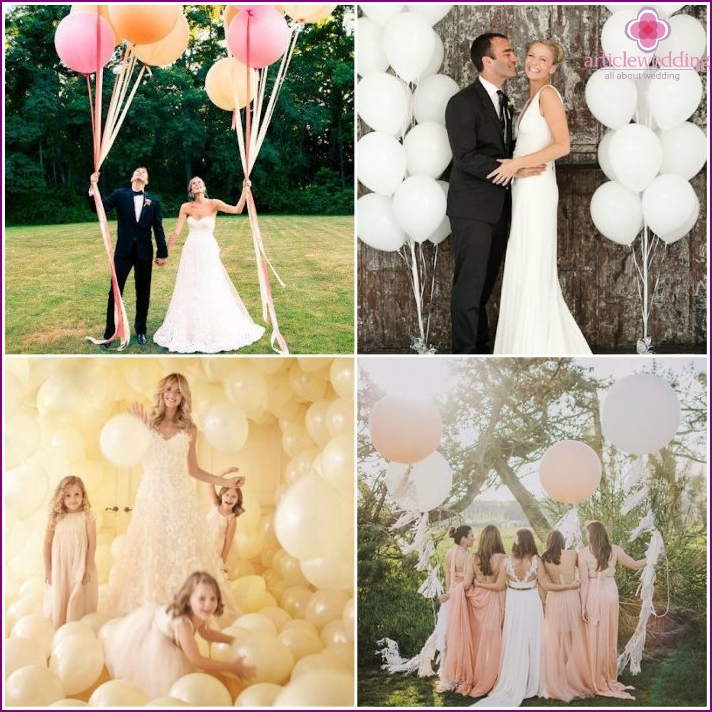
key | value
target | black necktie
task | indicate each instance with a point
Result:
(503, 101)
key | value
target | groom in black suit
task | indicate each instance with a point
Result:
(479, 125)
(137, 215)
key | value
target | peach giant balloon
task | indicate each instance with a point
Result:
(320, 688)
(201, 690)
(228, 79)
(405, 430)
(124, 440)
(144, 24)
(33, 686)
(570, 471)
(166, 50)
(641, 413)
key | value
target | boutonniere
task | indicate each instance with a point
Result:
(510, 108)
(146, 202)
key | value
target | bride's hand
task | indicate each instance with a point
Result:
(531, 171)
(505, 172)
(137, 410)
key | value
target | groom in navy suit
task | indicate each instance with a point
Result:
(478, 120)
(138, 214)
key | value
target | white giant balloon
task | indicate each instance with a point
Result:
(431, 98)
(409, 45)
(124, 440)
(640, 414)
(381, 162)
(604, 155)
(684, 150)
(436, 61)
(674, 99)
(617, 212)
(615, 42)
(419, 206)
(668, 203)
(636, 154)
(379, 12)
(612, 101)
(422, 486)
(427, 150)
(687, 37)
(376, 223)
(444, 229)
(383, 102)
(674, 235)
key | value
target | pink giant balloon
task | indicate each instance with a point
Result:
(84, 42)
(405, 430)
(268, 35)
(570, 471)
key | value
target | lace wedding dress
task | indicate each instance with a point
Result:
(520, 671)
(168, 537)
(206, 313)
(533, 316)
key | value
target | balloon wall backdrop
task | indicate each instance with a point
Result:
(288, 424)
(652, 150)
(407, 150)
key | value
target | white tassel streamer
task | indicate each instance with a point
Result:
(432, 586)
(647, 524)
(635, 498)
(570, 527)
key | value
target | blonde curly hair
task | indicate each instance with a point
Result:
(56, 503)
(184, 419)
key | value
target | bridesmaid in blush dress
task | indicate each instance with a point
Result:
(487, 602)
(565, 653)
(458, 665)
(599, 597)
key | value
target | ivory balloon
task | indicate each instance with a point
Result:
(263, 694)
(273, 661)
(225, 427)
(70, 629)
(20, 652)
(246, 386)
(342, 378)
(334, 632)
(640, 414)
(570, 471)
(320, 688)
(337, 463)
(326, 606)
(26, 487)
(277, 615)
(295, 601)
(32, 686)
(36, 628)
(118, 431)
(404, 429)
(201, 690)
(22, 438)
(307, 385)
(78, 661)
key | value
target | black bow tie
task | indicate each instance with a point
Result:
(137, 192)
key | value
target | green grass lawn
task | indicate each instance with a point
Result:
(57, 280)
(668, 678)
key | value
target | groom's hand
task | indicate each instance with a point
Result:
(529, 172)
(160, 261)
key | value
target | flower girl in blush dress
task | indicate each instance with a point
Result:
(206, 313)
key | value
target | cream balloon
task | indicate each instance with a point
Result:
(326, 606)
(225, 427)
(201, 690)
(255, 622)
(641, 414)
(277, 615)
(307, 385)
(301, 642)
(340, 418)
(71, 629)
(36, 628)
(319, 688)
(32, 686)
(342, 378)
(246, 387)
(21, 652)
(337, 463)
(263, 694)
(295, 601)
(124, 440)
(70, 702)
(166, 702)
(22, 437)
(26, 487)
(78, 661)
(335, 632)
(272, 659)
(248, 592)
(570, 471)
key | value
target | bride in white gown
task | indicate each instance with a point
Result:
(533, 316)
(206, 313)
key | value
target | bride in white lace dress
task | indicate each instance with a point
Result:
(533, 316)
(168, 537)
(521, 673)
(206, 313)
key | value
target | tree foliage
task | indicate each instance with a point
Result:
(306, 162)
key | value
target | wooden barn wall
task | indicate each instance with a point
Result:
(598, 277)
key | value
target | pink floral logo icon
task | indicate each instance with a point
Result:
(647, 29)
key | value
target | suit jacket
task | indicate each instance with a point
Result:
(476, 140)
(128, 230)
